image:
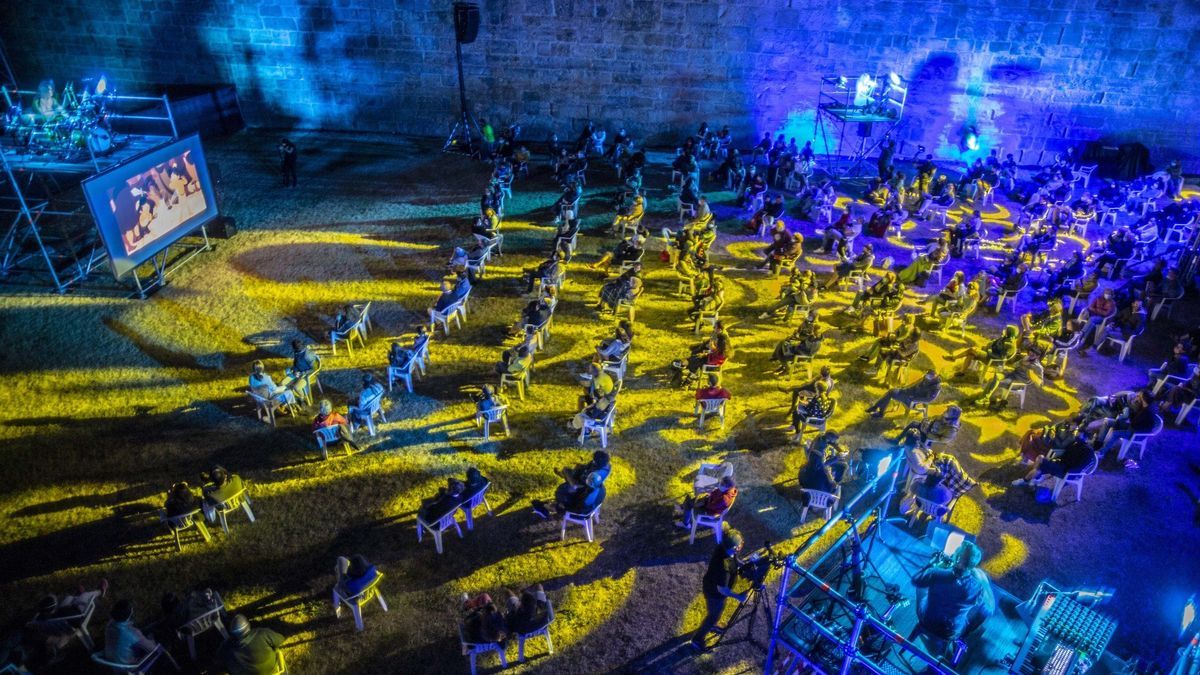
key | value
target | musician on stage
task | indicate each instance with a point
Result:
(956, 599)
(718, 585)
(45, 106)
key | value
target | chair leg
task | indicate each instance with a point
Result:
(437, 541)
(246, 508)
(587, 528)
(382, 602)
(563, 537)
(358, 621)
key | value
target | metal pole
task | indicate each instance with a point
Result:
(12, 79)
(462, 87)
(24, 209)
(780, 603)
(170, 116)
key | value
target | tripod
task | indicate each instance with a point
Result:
(466, 129)
(754, 601)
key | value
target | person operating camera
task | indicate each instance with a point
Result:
(718, 585)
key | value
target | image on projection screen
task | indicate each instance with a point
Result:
(149, 203)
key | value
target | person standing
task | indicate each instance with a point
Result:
(287, 162)
(718, 585)
(886, 153)
(956, 600)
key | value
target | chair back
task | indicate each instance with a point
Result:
(492, 414)
(259, 400)
(367, 594)
(712, 404)
(373, 404)
(326, 435)
(202, 623)
(820, 500)
(233, 503)
(181, 522)
(933, 509)
(476, 499)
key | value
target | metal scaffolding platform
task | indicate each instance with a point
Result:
(842, 102)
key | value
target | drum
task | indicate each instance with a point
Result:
(99, 139)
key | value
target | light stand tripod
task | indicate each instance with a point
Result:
(753, 601)
(462, 138)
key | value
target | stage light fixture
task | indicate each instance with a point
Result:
(1189, 616)
(971, 138)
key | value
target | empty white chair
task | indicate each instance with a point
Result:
(710, 475)
(142, 666)
(587, 520)
(473, 649)
(710, 406)
(183, 522)
(484, 419)
(436, 529)
(356, 602)
(1167, 302)
(822, 501)
(1125, 343)
(715, 523)
(1076, 479)
(1183, 412)
(364, 316)
(209, 619)
(1017, 388)
(601, 427)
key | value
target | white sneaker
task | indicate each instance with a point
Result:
(1019, 482)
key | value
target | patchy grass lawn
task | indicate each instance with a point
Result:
(109, 401)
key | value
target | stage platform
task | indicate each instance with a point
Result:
(856, 115)
(897, 556)
(124, 148)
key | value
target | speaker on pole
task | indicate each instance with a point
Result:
(466, 22)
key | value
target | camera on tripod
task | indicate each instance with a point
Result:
(759, 564)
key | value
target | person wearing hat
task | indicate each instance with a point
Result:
(250, 651)
(361, 411)
(717, 585)
(627, 251)
(327, 417)
(123, 641)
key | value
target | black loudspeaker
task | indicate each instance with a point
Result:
(466, 22)
(221, 228)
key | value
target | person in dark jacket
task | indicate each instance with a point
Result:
(250, 651)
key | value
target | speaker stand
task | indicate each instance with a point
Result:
(462, 138)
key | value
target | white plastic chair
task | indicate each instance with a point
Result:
(436, 529)
(1173, 379)
(543, 631)
(327, 436)
(404, 373)
(822, 501)
(455, 312)
(710, 475)
(370, 410)
(815, 423)
(356, 602)
(1075, 479)
(1168, 303)
(1184, 410)
(1004, 294)
(587, 520)
(209, 619)
(521, 380)
(602, 427)
(473, 649)
(937, 512)
(241, 500)
(1017, 388)
(186, 521)
(710, 406)
(468, 507)
(142, 666)
(421, 357)
(264, 407)
(78, 623)
(715, 523)
(486, 418)
(1125, 343)
(355, 330)
(1139, 441)
(364, 317)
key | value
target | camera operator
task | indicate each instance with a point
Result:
(718, 585)
(956, 599)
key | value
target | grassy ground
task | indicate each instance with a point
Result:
(109, 401)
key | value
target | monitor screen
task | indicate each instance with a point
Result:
(148, 203)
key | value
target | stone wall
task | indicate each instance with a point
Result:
(1029, 74)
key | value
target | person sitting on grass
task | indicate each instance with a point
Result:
(123, 641)
(220, 488)
(818, 406)
(571, 497)
(805, 341)
(624, 289)
(354, 575)
(529, 612)
(250, 651)
(712, 504)
(327, 417)
(627, 251)
(445, 502)
(923, 390)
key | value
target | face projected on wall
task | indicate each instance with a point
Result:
(151, 204)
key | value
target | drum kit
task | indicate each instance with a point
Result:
(74, 129)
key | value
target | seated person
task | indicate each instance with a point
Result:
(563, 235)
(220, 488)
(860, 263)
(482, 621)
(451, 295)
(327, 417)
(783, 252)
(772, 210)
(181, 500)
(804, 341)
(632, 215)
(714, 390)
(712, 352)
(710, 295)
(1179, 395)
(123, 642)
(399, 357)
(516, 363)
(488, 399)
(612, 349)
(844, 230)
(627, 251)
(1003, 348)
(579, 498)
(370, 395)
(598, 383)
(1038, 442)
(346, 318)
(625, 288)
(529, 612)
(995, 391)
(549, 268)
(918, 271)
(817, 406)
(1043, 325)
(474, 483)
(753, 187)
(1072, 457)
(942, 429)
(535, 313)
(1099, 310)
(809, 389)
(955, 600)
(1138, 417)
(952, 292)
(487, 225)
(354, 575)
(712, 504)
(445, 502)
(800, 291)
(250, 651)
(595, 411)
(826, 465)
(51, 629)
(943, 482)
(923, 390)
(177, 612)
(1127, 323)
(263, 386)
(564, 208)
(304, 360)
(902, 343)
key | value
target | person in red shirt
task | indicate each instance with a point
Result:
(713, 390)
(712, 504)
(328, 418)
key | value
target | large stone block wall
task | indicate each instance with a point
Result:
(1029, 74)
